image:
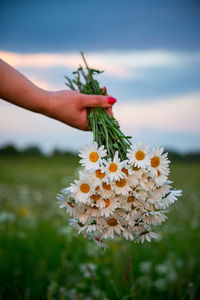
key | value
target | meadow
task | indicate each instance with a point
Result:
(42, 257)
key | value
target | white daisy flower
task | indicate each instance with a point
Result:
(120, 215)
(110, 205)
(126, 169)
(92, 156)
(82, 217)
(148, 236)
(93, 211)
(105, 190)
(98, 176)
(159, 193)
(97, 200)
(70, 207)
(154, 218)
(128, 235)
(82, 189)
(133, 179)
(149, 207)
(138, 229)
(160, 179)
(77, 225)
(138, 172)
(171, 198)
(111, 226)
(139, 156)
(66, 191)
(122, 186)
(159, 162)
(62, 200)
(131, 202)
(114, 169)
(134, 215)
(140, 194)
(65, 202)
(146, 182)
(100, 242)
(88, 228)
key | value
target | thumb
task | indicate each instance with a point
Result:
(98, 100)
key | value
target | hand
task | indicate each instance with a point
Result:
(70, 107)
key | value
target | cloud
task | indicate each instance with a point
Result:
(171, 121)
(40, 83)
(176, 114)
(69, 60)
(124, 64)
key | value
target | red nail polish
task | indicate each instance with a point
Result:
(111, 100)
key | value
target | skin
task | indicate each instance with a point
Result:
(69, 107)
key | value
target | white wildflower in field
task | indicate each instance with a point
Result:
(123, 189)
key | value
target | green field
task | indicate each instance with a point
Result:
(41, 257)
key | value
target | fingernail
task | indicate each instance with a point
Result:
(111, 100)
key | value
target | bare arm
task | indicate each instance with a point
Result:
(69, 107)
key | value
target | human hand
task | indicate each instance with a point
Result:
(70, 107)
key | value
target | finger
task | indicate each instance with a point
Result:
(97, 100)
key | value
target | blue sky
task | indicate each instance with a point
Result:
(150, 51)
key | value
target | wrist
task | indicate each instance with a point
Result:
(41, 101)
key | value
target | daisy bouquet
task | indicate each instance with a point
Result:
(122, 189)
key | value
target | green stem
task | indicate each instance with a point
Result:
(106, 130)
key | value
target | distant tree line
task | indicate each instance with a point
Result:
(11, 151)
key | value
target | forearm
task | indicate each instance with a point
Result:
(17, 89)
(69, 107)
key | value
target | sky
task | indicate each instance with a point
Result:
(149, 51)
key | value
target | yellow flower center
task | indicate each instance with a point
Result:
(107, 201)
(85, 188)
(70, 204)
(130, 199)
(100, 174)
(112, 222)
(97, 239)
(135, 168)
(93, 157)
(113, 167)
(106, 186)
(158, 173)
(155, 161)
(125, 171)
(95, 207)
(97, 188)
(121, 183)
(139, 155)
(95, 197)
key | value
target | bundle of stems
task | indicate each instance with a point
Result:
(106, 129)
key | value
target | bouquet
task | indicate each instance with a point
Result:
(122, 189)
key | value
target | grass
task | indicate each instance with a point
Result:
(41, 257)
